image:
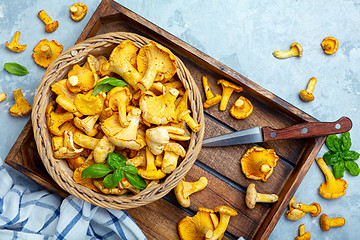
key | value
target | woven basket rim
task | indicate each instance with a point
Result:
(57, 71)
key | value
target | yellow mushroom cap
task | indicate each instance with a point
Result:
(46, 51)
(330, 45)
(200, 226)
(258, 163)
(242, 108)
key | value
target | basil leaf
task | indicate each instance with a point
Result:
(345, 141)
(116, 160)
(107, 84)
(331, 158)
(118, 175)
(333, 143)
(350, 155)
(136, 181)
(109, 181)
(130, 169)
(95, 171)
(338, 169)
(102, 88)
(352, 168)
(15, 68)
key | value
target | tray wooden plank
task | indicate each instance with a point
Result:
(227, 184)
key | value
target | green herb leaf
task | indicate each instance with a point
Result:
(109, 181)
(116, 160)
(118, 175)
(350, 155)
(95, 171)
(338, 169)
(108, 84)
(331, 158)
(130, 169)
(15, 68)
(333, 143)
(345, 141)
(136, 181)
(352, 168)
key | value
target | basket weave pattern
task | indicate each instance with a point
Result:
(59, 169)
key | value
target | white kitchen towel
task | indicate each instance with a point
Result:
(44, 215)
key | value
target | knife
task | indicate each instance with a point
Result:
(266, 133)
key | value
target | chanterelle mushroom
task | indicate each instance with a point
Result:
(211, 100)
(14, 44)
(120, 62)
(184, 189)
(159, 110)
(200, 226)
(227, 89)
(294, 213)
(118, 99)
(81, 79)
(155, 63)
(127, 137)
(295, 50)
(68, 150)
(242, 108)
(330, 45)
(78, 11)
(332, 188)
(151, 172)
(55, 119)
(172, 151)
(21, 107)
(87, 104)
(302, 234)
(45, 52)
(102, 149)
(307, 95)
(225, 214)
(158, 137)
(258, 163)
(252, 197)
(326, 223)
(50, 25)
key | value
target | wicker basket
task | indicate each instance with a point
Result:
(59, 169)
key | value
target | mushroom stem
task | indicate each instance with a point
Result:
(226, 93)
(2, 96)
(189, 120)
(265, 168)
(44, 17)
(240, 103)
(326, 223)
(329, 177)
(314, 208)
(301, 229)
(219, 231)
(207, 89)
(46, 50)
(311, 85)
(75, 10)
(169, 162)
(266, 198)
(74, 81)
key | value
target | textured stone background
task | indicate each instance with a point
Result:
(241, 34)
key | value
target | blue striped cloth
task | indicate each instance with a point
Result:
(43, 215)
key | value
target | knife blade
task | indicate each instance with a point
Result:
(266, 133)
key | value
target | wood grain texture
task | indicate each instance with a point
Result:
(221, 166)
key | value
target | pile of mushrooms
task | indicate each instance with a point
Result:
(148, 121)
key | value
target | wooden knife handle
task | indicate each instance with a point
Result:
(307, 130)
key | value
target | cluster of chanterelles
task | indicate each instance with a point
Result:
(145, 121)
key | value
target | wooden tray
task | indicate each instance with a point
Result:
(221, 166)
